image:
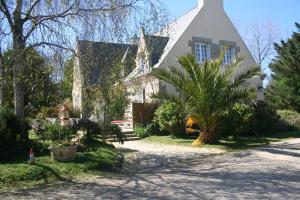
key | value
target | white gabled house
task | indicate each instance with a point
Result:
(204, 31)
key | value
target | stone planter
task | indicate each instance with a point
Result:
(63, 153)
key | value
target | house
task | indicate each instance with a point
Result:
(204, 31)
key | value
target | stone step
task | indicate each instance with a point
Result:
(127, 139)
(130, 135)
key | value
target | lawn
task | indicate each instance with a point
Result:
(100, 160)
(229, 144)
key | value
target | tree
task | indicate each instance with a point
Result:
(261, 38)
(40, 90)
(284, 89)
(206, 92)
(108, 101)
(67, 82)
(49, 24)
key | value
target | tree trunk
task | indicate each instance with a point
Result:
(208, 137)
(1, 81)
(18, 71)
(19, 60)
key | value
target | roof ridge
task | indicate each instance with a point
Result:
(101, 42)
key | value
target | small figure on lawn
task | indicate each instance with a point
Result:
(31, 157)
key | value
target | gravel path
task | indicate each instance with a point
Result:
(270, 172)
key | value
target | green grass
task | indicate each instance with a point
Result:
(229, 144)
(101, 160)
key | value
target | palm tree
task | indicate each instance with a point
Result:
(207, 91)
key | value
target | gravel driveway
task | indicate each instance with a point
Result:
(271, 172)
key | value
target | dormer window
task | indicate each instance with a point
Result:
(228, 55)
(202, 52)
(142, 64)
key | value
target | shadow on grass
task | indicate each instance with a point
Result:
(51, 171)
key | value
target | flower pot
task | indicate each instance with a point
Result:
(63, 153)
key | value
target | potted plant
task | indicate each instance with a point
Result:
(58, 138)
(62, 148)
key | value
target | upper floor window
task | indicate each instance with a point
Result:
(228, 55)
(202, 52)
(142, 63)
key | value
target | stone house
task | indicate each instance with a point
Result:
(204, 31)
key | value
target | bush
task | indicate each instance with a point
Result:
(153, 129)
(93, 129)
(170, 118)
(141, 131)
(144, 131)
(12, 141)
(266, 120)
(238, 121)
(114, 131)
(256, 120)
(290, 117)
(57, 134)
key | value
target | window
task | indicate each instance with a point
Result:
(144, 95)
(228, 55)
(202, 52)
(142, 63)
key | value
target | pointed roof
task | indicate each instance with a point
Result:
(175, 29)
(97, 58)
(156, 46)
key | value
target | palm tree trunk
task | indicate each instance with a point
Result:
(208, 137)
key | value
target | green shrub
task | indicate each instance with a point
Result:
(57, 134)
(144, 131)
(153, 129)
(170, 118)
(292, 118)
(93, 129)
(256, 120)
(113, 131)
(238, 120)
(13, 140)
(141, 131)
(266, 120)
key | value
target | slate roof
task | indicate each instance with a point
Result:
(156, 45)
(98, 58)
(175, 29)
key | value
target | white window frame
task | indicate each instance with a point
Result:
(202, 52)
(229, 54)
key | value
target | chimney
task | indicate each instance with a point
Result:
(214, 4)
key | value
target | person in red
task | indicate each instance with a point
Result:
(31, 156)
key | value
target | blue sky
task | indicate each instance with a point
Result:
(283, 13)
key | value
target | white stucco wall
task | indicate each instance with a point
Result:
(210, 22)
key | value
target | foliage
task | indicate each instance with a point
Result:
(284, 89)
(266, 120)
(207, 91)
(170, 118)
(143, 131)
(57, 134)
(109, 101)
(40, 91)
(72, 112)
(101, 159)
(238, 120)
(140, 131)
(292, 118)
(12, 141)
(93, 129)
(67, 82)
(113, 130)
